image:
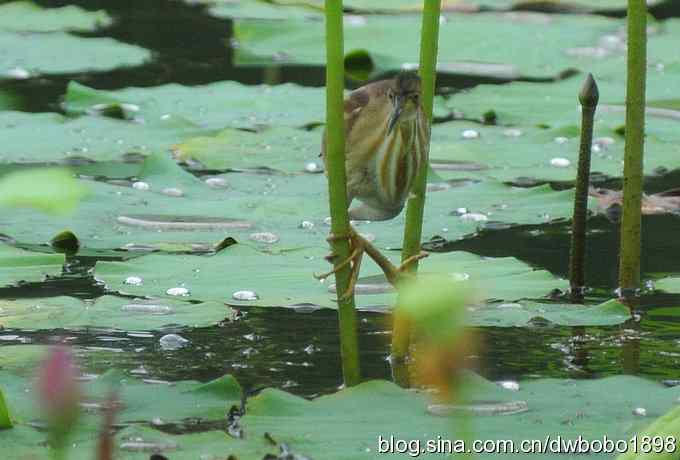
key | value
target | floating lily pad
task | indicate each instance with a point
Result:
(539, 128)
(528, 154)
(259, 9)
(146, 401)
(545, 398)
(521, 313)
(564, 6)
(668, 284)
(110, 312)
(282, 149)
(19, 265)
(294, 41)
(555, 105)
(37, 53)
(347, 424)
(293, 207)
(25, 16)
(410, 6)
(142, 401)
(49, 137)
(21, 360)
(288, 278)
(214, 106)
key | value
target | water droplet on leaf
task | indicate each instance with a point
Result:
(18, 73)
(470, 134)
(640, 412)
(264, 237)
(509, 385)
(173, 342)
(133, 281)
(172, 191)
(244, 295)
(512, 132)
(313, 167)
(474, 217)
(178, 291)
(216, 182)
(510, 305)
(560, 163)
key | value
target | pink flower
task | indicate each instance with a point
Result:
(58, 390)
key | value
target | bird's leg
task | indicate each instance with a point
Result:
(366, 212)
(393, 273)
(354, 260)
(359, 245)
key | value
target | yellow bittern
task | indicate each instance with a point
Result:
(386, 140)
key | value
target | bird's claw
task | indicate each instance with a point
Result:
(406, 264)
(359, 246)
(354, 261)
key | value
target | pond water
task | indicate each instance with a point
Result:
(299, 351)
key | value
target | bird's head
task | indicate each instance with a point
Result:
(404, 96)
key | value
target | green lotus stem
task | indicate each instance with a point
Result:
(588, 97)
(5, 419)
(629, 264)
(337, 188)
(416, 204)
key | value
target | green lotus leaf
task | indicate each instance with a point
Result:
(32, 53)
(287, 281)
(463, 41)
(350, 424)
(110, 312)
(20, 265)
(25, 16)
(214, 106)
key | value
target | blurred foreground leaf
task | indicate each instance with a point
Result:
(659, 439)
(436, 305)
(5, 421)
(53, 191)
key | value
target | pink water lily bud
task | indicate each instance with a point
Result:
(58, 388)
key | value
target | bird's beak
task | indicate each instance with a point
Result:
(396, 113)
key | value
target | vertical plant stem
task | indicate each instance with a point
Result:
(629, 265)
(416, 203)
(5, 419)
(337, 188)
(588, 97)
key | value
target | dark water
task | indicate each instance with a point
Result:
(300, 351)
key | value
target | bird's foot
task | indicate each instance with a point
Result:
(406, 264)
(358, 246)
(354, 260)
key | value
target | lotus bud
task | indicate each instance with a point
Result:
(59, 394)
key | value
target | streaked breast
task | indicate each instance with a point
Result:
(398, 159)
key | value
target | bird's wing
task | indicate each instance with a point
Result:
(354, 103)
